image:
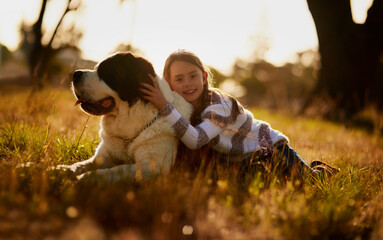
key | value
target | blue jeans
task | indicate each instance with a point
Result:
(292, 158)
(283, 157)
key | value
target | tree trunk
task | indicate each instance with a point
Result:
(37, 47)
(40, 55)
(350, 55)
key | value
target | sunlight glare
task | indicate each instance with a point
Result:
(187, 230)
(12, 13)
(359, 10)
(72, 212)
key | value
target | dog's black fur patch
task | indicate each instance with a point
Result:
(124, 72)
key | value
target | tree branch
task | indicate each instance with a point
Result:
(67, 10)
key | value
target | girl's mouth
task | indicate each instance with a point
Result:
(188, 92)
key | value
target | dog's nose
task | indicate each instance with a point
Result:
(77, 76)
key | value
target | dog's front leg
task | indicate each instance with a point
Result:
(76, 168)
(109, 175)
(142, 170)
(100, 160)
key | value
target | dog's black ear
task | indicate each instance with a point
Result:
(124, 72)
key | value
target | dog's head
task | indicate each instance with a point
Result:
(118, 76)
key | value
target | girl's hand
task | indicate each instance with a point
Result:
(153, 94)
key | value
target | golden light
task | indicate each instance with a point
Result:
(217, 31)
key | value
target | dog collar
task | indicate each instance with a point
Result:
(130, 140)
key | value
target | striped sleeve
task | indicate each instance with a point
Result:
(192, 137)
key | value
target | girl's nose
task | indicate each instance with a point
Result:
(188, 82)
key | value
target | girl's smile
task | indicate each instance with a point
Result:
(190, 92)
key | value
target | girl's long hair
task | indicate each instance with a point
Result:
(207, 93)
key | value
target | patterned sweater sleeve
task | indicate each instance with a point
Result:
(192, 137)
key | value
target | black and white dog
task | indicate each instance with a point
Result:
(136, 141)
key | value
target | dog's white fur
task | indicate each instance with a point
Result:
(152, 152)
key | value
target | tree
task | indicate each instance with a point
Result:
(5, 54)
(351, 73)
(39, 55)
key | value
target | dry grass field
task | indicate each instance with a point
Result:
(213, 202)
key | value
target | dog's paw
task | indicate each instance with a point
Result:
(68, 170)
(26, 165)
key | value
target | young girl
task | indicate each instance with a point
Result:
(218, 119)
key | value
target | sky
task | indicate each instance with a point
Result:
(218, 31)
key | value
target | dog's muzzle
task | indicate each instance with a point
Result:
(92, 107)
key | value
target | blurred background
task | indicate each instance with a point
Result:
(315, 57)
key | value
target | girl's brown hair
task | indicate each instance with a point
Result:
(205, 100)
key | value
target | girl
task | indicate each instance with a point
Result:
(218, 119)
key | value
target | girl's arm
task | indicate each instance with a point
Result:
(192, 137)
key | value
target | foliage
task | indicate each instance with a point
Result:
(215, 201)
(278, 86)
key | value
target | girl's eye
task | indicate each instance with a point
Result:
(178, 79)
(194, 76)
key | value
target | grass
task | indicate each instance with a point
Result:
(213, 202)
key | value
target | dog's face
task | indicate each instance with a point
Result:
(119, 76)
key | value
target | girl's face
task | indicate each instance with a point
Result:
(187, 80)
